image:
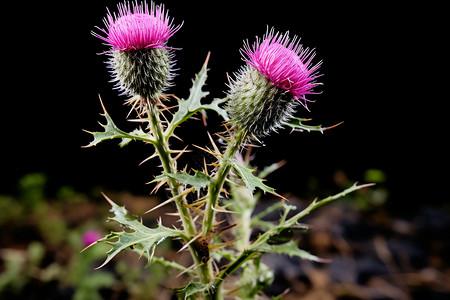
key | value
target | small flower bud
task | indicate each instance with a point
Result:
(278, 71)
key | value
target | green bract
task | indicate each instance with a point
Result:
(257, 106)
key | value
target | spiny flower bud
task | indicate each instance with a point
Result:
(141, 63)
(144, 72)
(278, 71)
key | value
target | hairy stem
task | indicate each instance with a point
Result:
(170, 167)
(230, 269)
(213, 195)
(216, 186)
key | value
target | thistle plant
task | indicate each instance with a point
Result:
(263, 98)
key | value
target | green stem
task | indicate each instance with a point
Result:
(230, 269)
(314, 205)
(170, 167)
(209, 215)
(318, 203)
(217, 184)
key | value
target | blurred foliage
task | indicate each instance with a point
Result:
(41, 242)
(374, 254)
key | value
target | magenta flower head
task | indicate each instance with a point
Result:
(140, 59)
(277, 76)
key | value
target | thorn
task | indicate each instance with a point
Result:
(188, 269)
(173, 214)
(326, 128)
(248, 153)
(101, 103)
(223, 137)
(149, 158)
(159, 205)
(181, 152)
(363, 186)
(229, 79)
(223, 245)
(168, 108)
(89, 246)
(143, 251)
(207, 59)
(171, 199)
(164, 116)
(214, 144)
(177, 137)
(220, 230)
(109, 200)
(188, 243)
(223, 210)
(158, 186)
(232, 182)
(208, 151)
(142, 120)
(195, 219)
(204, 119)
(205, 167)
(216, 267)
(133, 101)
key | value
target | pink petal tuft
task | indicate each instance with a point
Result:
(285, 63)
(138, 27)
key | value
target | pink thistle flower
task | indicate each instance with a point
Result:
(285, 63)
(138, 27)
(141, 62)
(277, 72)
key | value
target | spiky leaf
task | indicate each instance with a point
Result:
(192, 288)
(193, 104)
(198, 181)
(297, 124)
(250, 180)
(290, 248)
(135, 235)
(113, 132)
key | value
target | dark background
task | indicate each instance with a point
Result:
(381, 67)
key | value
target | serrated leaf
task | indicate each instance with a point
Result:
(193, 104)
(135, 133)
(192, 288)
(113, 132)
(290, 248)
(296, 124)
(135, 235)
(250, 180)
(198, 181)
(160, 178)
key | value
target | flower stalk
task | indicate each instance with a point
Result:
(216, 186)
(169, 166)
